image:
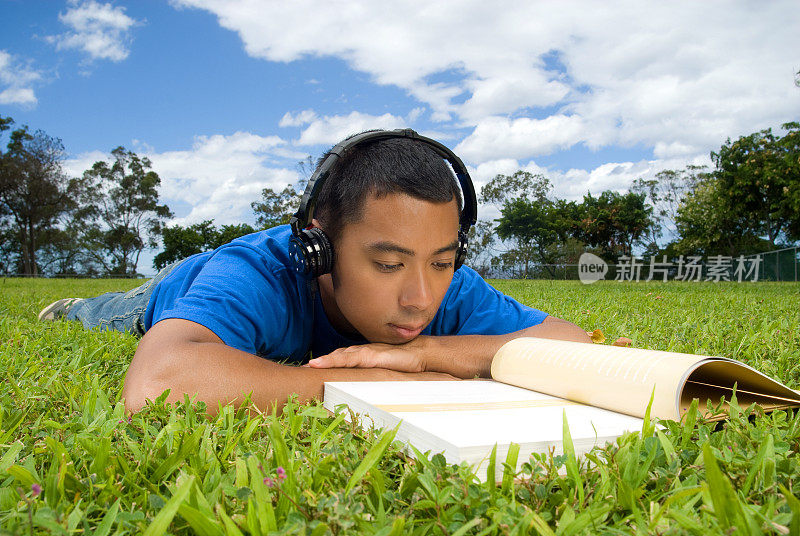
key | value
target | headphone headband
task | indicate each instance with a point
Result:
(304, 214)
(310, 249)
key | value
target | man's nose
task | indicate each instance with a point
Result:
(416, 291)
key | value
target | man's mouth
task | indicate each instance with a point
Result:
(407, 331)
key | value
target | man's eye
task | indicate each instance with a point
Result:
(442, 265)
(387, 267)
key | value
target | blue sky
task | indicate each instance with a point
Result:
(226, 96)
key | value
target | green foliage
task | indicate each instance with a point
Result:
(481, 240)
(549, 231)
(538, 225)
(613, 222)
(534, 224)
(181, 242)
(35, 197)
(665, 193)
(129, 218)
(171, 469)
(275, 208)
(750, 202)
(708, 225)
(759, 175)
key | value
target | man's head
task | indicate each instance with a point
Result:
(378, 168)
(391, 209)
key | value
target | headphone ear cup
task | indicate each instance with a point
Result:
(461, 251)
(311, 252)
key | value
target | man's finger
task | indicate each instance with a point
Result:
(351, 357)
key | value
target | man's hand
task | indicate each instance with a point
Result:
(406, 357)
(463, 356)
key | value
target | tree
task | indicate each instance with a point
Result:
(34, 192)
(522, 184)
(759, 177)
(539, 227)
(530, 220)
(227, 233)
(665, 193)
(275, 208)
(128, 215)
(708, 225)
(613, 222)
(182, 242)
(480, 240)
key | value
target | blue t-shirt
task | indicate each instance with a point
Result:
(248, 293)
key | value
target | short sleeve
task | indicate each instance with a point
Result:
(239, 296)
(473, 307)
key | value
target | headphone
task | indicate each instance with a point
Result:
(311, 250)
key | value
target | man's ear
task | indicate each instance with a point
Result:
(315, 223)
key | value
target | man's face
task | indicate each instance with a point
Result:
(392, 269)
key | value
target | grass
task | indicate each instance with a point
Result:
(72, 461)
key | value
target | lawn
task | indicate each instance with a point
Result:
(72, 461)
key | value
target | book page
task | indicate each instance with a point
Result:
(610, 377)
(713, 379)
(465, 419)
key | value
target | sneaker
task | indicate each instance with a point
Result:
(58, 309)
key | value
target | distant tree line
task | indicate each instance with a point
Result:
(99, 223)
(95, 224)
(749, 202)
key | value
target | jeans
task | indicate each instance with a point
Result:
(120, 311)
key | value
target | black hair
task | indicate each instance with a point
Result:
(379, 168)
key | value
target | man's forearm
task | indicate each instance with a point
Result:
(218, 374)
(463, 356)
(470, 356)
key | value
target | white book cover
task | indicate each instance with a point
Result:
(465, 419)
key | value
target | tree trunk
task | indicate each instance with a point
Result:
(23, 242)
(32, 245)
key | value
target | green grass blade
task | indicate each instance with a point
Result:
(230, 527)
(666, 444)
(10, 456)
(108, 520)
(201, 523)
(572, 460)
(509, 468)
(794, 505)
(491, 471)
(727, 505)
(465, 528)
(164, 518)
(371, 459)
(766, 452)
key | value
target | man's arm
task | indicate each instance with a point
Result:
(188, 358)
(463, 356)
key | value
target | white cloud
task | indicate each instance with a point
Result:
(18, 95)
(17, 80)
(499, 137)
(99, 30)
(297, 119)
(506, 94)
(677, 77)
(328, 130)
(415, 114)
(218, 177)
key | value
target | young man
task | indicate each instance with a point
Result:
(387, 306)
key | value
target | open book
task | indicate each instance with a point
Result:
(603, 391)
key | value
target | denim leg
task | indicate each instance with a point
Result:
(120, 311)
